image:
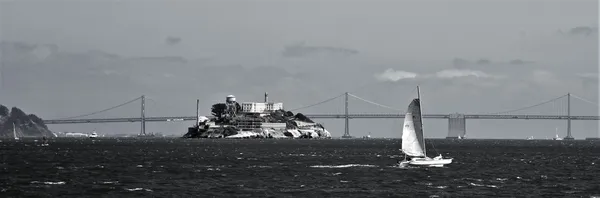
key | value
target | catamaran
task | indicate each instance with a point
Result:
(413, 141)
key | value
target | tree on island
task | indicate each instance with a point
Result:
(218, 109)
(303, 118)
(3, 111)
(17, 115)
(37, 120)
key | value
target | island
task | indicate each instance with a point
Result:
(254, 120)
(25, 125)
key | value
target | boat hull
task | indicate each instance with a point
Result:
(429, 162)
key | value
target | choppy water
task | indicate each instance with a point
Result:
(299, 168)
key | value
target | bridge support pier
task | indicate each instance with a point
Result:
(347, 120)
(143, 130)
(569, 135)
(457, 126)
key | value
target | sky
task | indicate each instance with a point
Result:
(67, 58)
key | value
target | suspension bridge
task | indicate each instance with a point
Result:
(456, 121)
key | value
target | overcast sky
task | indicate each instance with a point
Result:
(66, 58)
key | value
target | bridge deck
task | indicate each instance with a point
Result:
(332, 116)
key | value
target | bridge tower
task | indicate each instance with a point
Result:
(569, 136)
(347, 120)
(457, 126)
(143, 132)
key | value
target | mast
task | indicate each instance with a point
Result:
(421, 117)
(143, 129)
(198, 112)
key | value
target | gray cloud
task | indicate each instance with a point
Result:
(483, 62)
(63, 73)
(176, 59)
(397, 75)
(520, 62)
(460, 63)
(581, 31)
(172, 40)
(301, 50)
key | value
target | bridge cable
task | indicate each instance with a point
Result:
(563, 108)
(555, 108)
(108, 109)
(542, 103)
(148, 107)
(153, 101)
(584, 100)
(324, 101)
(374, 103)
(160, 105)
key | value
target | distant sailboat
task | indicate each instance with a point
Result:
(530, 138)
(413, 140)
(93, 135)
(15, 131)
(44, 141)
(557, 137)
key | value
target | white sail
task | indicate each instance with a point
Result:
(15, 132)
(412, 133)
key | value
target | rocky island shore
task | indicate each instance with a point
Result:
(254, 120)
(26, 125)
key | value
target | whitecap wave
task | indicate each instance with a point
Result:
(138, 189)
(342, 166)
(256, 166)
(49, 182)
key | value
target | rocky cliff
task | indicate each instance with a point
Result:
(26, 125)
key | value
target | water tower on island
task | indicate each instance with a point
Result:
(231, 106)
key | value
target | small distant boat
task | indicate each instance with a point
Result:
(413, 139)
(15, 131)
(530, 138)
(556, 137)
(367, 136)
(93, 135)
(44, 141)
(142, 135)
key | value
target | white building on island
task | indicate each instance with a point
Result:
(261, 107)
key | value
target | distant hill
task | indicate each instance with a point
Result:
(26, 125)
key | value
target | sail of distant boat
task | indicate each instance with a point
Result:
(15, 132)
(557, 137)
